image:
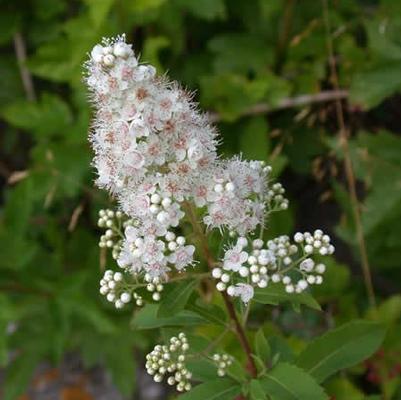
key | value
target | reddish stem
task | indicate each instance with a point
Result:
(239, 330)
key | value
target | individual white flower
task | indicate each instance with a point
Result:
(234, 258)
(138, 128)
(182, 257)
(244, 291)
(151, 250)
(127, 260)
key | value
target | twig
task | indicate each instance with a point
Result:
(239, 330)
(351, 182)
(17, 288)
(20, 51)
(282, 42)
(75, 217)
(289, 102)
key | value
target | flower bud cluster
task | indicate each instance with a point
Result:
(113, 222)
(222, 361)
(297, 273)
(112, 286)
(275, 197)
(247, 265)
(107, 55)
(169, 360)
(316, 243)
(157, 210)
(154, 286)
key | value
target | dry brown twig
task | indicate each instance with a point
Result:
(349, 171)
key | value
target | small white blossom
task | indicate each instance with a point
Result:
(234, 258)
(244, 291)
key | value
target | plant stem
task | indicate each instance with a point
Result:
(20, 51)
(288, 102)
(239, 330)
(282, 42)
(351, 181)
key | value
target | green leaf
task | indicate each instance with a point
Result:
(147, 318)
(388, 312)
(98, 10)
(87, 310)
(227, 47)
(237, 371)
(288, 382)
(11, 88)
(205, 9)
(256, 390)
(231, 94)
(341, 348)
(210, 312)
(8, 314)
(152, 48)
(122, 366)
(50, 116)
(176, 300)
(275, 294)
(262, 346)
(202, 370)
(254, 141)
(219, 389)
(370, 88)
(342, 388)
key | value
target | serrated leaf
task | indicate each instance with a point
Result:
(176, 300)
(147, 318)
(288, 382)
(370, 88)
(256, 390)
(218, 389)
(237, 371)
(341, 348)
(275, 294)
(98, 10)
(210, 312)
(262, 346)
(50, 116)
(202, 370)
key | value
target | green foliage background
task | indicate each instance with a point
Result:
(236, 54)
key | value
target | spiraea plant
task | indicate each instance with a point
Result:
(190, 238)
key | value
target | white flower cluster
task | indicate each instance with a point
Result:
(147, 131)
(154, 149)
(112, 286)
(248, 265)
(147, 251)
(316, 243)
(153, 255)
(223, 361)
(236, 196)
(170, 360)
